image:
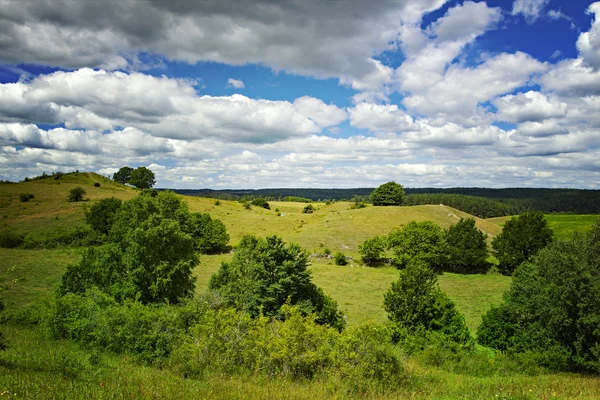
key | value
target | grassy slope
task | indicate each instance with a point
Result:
(358, 290)
(563, 225)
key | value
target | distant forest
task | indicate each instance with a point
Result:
(482, 202)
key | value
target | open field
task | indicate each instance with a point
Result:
(37, 367)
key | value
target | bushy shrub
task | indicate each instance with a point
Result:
(76, 194)
(340, 259)
(96, 184)
(372, 251)
(467, 248)
(551, 312)
(416, 302)
(25, 197)
(308, 209)
(424, 241)
(211, 234)
(265, 273)
(261, 202)
(521, 238)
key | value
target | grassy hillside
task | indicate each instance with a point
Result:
(563, 225)
(36, 367)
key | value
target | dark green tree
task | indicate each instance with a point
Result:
(388, 194)
(101, 215)
(416, 302)
(425, 241)
(467, 248)
(308, 209)
(552, 309)
(76, 194)
(372, 251)
(142, 178)
(265, 273)
(521, 238)
(260, 202)
(122, 175)
(211, 234)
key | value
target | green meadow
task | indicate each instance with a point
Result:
(41, 368)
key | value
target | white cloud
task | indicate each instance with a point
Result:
(235, 83)
(541, 129)
(572, 77)
(588, 43)
(162, 107)
(531, 10)
(381, 118)
(530, 106)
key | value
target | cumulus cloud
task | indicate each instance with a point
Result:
(531, 10)
(162, 107)
(530, 106)
(323, 39)
(235, 83)
(381, 118)
(588, 43)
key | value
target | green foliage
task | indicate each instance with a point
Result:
(481, 207)
(122, 175)
(101, 215)
(96, 184)
(76, 194)
(3, 287)
(424, 241)
(25, 197)
(416, 302)
(142, 178)
(521, 238)
(372, 251)
(308, 209)
(261, 202)
(467, 248)
(248, 206)
(326, 251)
(265, 273)
(211, 233)
(339, 258)
(551, 313)
(388, 194)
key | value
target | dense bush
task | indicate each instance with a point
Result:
(25, 197)
(308, 209)
(211, 234)
(340, 259)
(142, 178)
(122, 175)
(11, 240)
(521, 238)
(265, 273)
(76, 194)
(551, 313)
(101, 215)
(467, 248)
(425, 241)
(260, 202)
(372, 251)
(416, 302)
(388, 194)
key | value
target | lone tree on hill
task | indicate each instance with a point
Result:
(388, 194)
(76, 194)
(521, 239)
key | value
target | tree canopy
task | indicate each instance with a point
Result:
(141, 177)
(388, 194)
(467, 248)
(521, 238)
(551, 310)
(122, 175)
(266, 273)
(425, 241)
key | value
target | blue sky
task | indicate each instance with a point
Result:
(259, 94)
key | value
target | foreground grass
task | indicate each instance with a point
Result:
(38, 368)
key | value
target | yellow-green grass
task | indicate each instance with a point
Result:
(565, 225)
(35, 367)
(49, 214)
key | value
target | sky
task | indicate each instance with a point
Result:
(304, 93)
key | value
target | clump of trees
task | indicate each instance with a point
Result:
(141, 177)
(264, 274)
(388, 194)
(521, 238)
(462, 248)
(308, 209)
(551, 313)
